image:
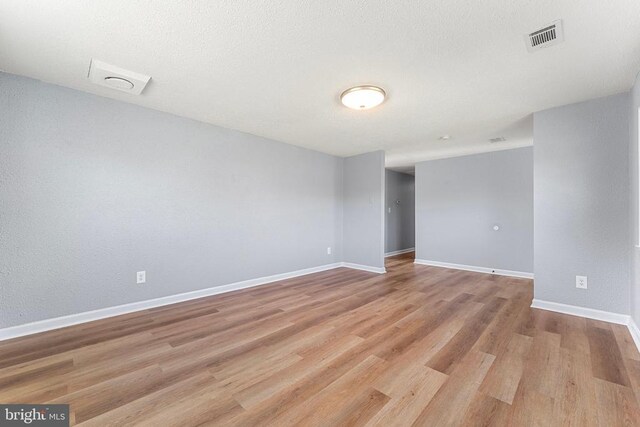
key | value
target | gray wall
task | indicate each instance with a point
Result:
(93, 190)
(363, 231)
(581, 199)
(633, 197)
(459, 200)
(400, 219)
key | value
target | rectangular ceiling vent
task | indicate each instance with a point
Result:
(498, 139)
(550, 35)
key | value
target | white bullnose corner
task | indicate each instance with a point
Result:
(635, 332)
(487, 270)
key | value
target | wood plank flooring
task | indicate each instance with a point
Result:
(419, 345)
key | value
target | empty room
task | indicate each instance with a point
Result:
(298, 213)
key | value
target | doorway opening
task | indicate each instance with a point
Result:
(400, 210)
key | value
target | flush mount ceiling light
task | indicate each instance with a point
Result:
(362, 97)
(114, 77)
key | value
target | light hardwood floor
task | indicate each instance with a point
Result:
(416, 346)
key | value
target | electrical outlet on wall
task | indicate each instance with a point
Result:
(329, 250)
(581, 282)
(141, 277)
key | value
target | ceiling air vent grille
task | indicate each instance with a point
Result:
(498, 139)
(550, 35)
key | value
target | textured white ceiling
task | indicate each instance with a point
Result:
(276, 68)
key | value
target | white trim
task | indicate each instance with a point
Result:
(637, 129)
(634, 331)
(401, 251)
(511, 273)
(589, 313)
(88, 316)
(368, 268)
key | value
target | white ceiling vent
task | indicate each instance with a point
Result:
(113, 77)
(550, 35)
(498, 139)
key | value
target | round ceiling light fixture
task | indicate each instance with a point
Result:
(362, 97)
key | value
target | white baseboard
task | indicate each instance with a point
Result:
(510, 273)
(401, 251)
(88, 316)
(635, 332)
(368, 268)
(589, 313)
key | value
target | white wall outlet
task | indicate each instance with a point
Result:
(329, 250)
(141, 277)
(581, 282)
(389, 210)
